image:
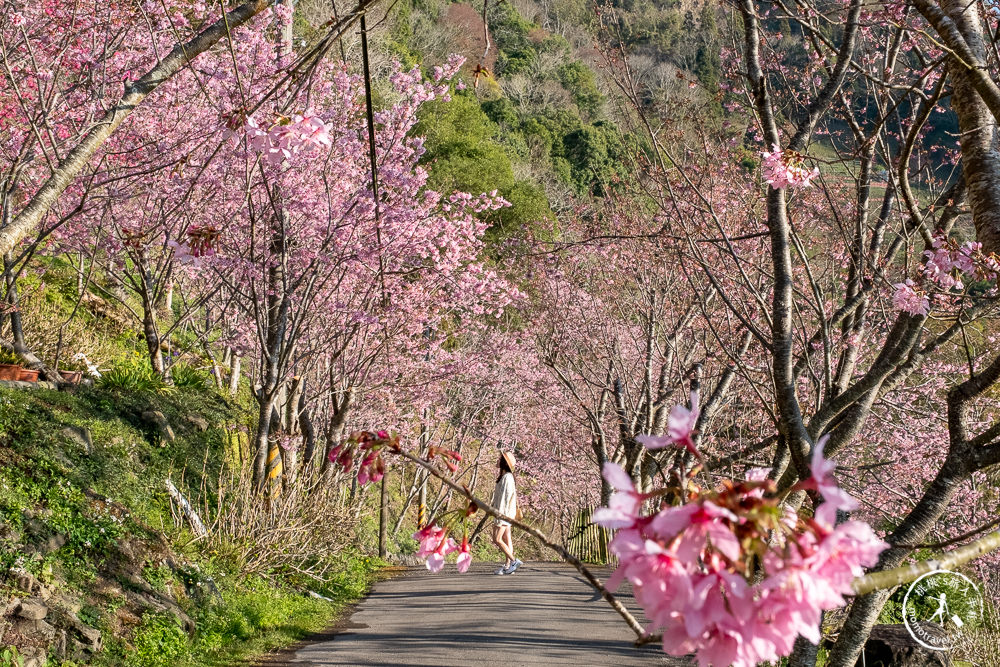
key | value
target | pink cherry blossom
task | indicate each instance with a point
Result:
(692, 566)
(835, 498)
(907, 299)
(435, 545)
(696, 524)
(623, 508)
(784, 169)
(464, 556)
(428, 538)
(681, 425)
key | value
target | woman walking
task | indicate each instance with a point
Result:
(505, 500)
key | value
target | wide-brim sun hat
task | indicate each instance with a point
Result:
(509, 458)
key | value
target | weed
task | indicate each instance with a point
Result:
(132, 374)
(188, 377)
(9, 657)
(158, 642)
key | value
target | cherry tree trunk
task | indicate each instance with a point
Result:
(151, 333)
(16, 325)
(234, 373)
(338, 421)
(261, 438)
(308, 432)
(980, 158)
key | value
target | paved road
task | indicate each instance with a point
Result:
(544, 614)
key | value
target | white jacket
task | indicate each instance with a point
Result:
(505, 496)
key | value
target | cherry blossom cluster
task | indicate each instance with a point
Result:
(200, 243)
(450, 457)
(948, 263)
(681, 424)
(786, 169)
(731, 575)
(413, 84)
(435, 538)
(287, 137)
(910, 298)
(202, 239)
(436, 544)
(366, 446)
(450, 68)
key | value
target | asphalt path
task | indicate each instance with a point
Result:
(544, 614)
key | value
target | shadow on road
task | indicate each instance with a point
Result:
(545, 614)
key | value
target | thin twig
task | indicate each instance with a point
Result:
(541, 537)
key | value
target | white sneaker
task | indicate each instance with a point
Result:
(502, 570)
(513, 566)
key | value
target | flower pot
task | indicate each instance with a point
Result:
(27, 375)
(9, 371)
(73, 377)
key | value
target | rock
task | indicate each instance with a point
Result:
(34, 527)
(197, 421)
(894, 645)
(11, 607)
(62, 603)
(33, 656)
(77, 651)
(9, 534)
(50, 544)
(45, 629)
(158, 419)
(41, 540)
(24, 581)
(59, 646)
(17, 384)
(90, 638)
(33, 609)
(81, 436)
(408, 560)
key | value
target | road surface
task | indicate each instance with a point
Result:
(544, 614)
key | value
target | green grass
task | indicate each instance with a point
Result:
(254, 617)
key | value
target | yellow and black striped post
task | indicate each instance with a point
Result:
(422, 503)
(274, 467)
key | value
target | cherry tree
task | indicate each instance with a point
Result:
(322, 268)
(855, 288)
(64, 68)
(55, 56)
(623, 329)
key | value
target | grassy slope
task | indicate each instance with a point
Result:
(83, 522)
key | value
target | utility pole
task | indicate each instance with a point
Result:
(383, 515)
(425, 438)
